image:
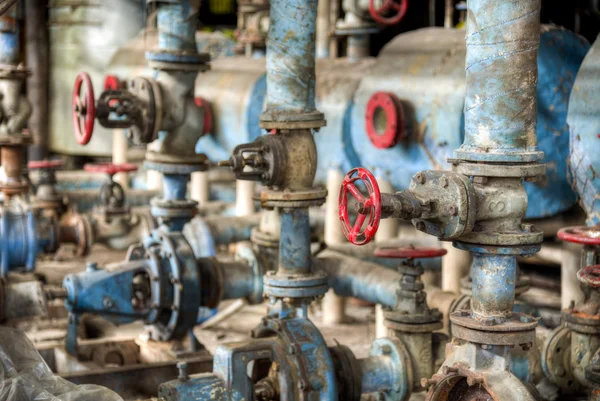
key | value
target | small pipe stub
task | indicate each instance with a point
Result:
(581, 235)
(384, 120)
(84, 108)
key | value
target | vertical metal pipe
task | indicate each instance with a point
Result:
(175, 186)
(177, 24)
(291, 59)
(36, 54)
(334, 11)
(501, 79)
(294, 241)
(494, 278)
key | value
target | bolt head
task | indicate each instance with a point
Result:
(420, 178)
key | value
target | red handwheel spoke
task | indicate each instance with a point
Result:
(356, 193)
(358, 223)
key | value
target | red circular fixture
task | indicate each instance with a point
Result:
(397, 9)
(384, 120)
(44, 164)
(207, 126)
(110, 168)
(112, 83)
(590, 276)
(368, 208)
(410, 253)
(581, 235)
(84, 108)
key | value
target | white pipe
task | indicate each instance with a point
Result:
(322, 41)
(200, 189)
(570, 287)
(334, 307)
(244, 192)
(455, 265)
(388, 229)
(119, 156)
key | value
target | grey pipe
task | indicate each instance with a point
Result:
(231, 229)
(351, 277)
(36, 53)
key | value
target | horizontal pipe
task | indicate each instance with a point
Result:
(240, 281)
(351, 277)
(231, 229)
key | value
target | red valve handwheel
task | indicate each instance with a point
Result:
(590, 276)
(581, 235)
(387, 103)
(410, 253)
(44, 164)
(207, 126)
(110, 168)
(84, 108)
(367, 207)
(397, 7)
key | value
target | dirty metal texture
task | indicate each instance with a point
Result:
(294, 242)
(471, 373)
(304, 368)
(584, 124)
(291, 64)
(348, 372)
(136, 381)
(449, 202)
(501, 67)
(592, 373)
(493, 291)
(20, 240)
(10, 43)
(517, 329)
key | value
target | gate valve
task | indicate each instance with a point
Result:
(397, 9)
(135, 108)
(581, 235)
(84, 108)
(112, 195)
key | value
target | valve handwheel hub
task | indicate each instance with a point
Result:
(397, 9)
(581, 235)
(368, 208)
(590, 276)
(110, 168)
(384, 120)
(410, 253)
(84, 108)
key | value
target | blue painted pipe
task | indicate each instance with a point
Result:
(18, 241)
(501, 71)
(294, 242)
(291, 59)
(377, 374)
(177, 25)
(494, 278)
(9, 37)
(175, 186)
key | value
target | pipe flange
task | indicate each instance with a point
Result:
(413, 323)
(22, 139)
(518, 329)
(245, 252)
(401, 361)
(276, 119)
(348, 372)
(386, 135)
(500, 156)
(295, 285)
(524, 250)
(161, 208)
(19, 72)
(555, 359)
(585, 320)
(264, 239)
(292, 199)
(498, 170)
(178, 60)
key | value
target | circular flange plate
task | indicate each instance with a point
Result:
(519, 329)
